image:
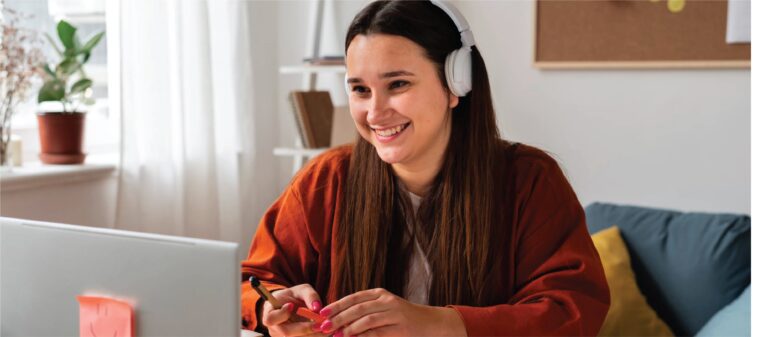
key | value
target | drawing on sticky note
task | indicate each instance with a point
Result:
(105, 317)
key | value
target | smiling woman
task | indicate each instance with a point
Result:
(431, 224)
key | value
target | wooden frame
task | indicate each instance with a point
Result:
(662, 55)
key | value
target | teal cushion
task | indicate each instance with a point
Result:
(688, 265)
(733, 320)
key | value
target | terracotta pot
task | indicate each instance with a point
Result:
(61, 137)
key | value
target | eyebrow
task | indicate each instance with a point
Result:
(388, 74)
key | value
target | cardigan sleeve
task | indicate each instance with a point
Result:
(560, 286)
(280, 255)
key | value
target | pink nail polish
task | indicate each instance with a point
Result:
(289, 306)
(316, 306)
(316, 327)
(338, 334)
(327, 326)
(325, 312)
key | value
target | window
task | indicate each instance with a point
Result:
(102, 127)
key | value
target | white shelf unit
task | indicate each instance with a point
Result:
(309, 72)
(313, 69)
(301, 155)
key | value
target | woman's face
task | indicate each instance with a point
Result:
(397, 100)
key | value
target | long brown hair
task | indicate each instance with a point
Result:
(454, 222)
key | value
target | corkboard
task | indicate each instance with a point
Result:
(634, 34)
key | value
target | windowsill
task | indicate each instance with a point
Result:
(35, 174)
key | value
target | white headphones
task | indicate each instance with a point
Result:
(458, 64)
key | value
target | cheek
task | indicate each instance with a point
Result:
(359, 117)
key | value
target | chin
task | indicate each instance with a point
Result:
(389, 156)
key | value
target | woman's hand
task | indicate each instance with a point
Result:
(377, 312)
(279, 322)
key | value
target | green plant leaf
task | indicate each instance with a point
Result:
(66, 34)
(67, 67)
(52, 90)
(80, 86)
(89, 101)
(78, 44)
(70, 52)
(86, 57)
(92, 43)
(48, 70)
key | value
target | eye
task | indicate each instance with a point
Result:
(359, 89)
(398, 84)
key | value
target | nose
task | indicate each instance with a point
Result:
(378, 108)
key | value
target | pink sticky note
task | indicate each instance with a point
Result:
(105, 317)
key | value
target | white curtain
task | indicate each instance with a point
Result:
(197, 109)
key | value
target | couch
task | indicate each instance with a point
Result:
(692, 268)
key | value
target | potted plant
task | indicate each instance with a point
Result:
(61, 132)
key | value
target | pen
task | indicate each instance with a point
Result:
(264, 293)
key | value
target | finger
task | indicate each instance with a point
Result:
(274, 316)
(286, 295)
(309, 296)
(373, 323)
(362, 311)
(279, 331)
(293, 329)
(350, 300)
(389, 330)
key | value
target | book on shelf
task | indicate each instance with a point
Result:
(313, 111)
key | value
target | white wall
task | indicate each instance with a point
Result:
(667, 138)
(87, 202)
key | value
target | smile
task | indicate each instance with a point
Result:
(391, 131)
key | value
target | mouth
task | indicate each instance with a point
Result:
(391, 132)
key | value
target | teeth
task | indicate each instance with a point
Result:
(390, 132)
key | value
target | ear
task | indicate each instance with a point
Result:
(453, 100)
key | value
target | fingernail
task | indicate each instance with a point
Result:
(338, 334)
(316, 327)
(325, 312)
(316, 306)
(327, 326)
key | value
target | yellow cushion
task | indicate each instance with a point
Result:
(629, 314)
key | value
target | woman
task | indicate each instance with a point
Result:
(431, 224)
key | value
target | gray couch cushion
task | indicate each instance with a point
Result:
(688, 265)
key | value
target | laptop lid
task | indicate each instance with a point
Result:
(180, 286)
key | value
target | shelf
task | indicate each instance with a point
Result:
(33, 175)
(291, 151)
(309, 69)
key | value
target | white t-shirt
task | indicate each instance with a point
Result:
(419, 272)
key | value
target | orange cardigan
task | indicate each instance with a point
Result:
(556, 284)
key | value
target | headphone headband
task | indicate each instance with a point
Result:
(467, 39)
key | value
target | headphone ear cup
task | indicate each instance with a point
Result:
(458, 71)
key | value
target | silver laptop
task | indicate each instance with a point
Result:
(180, 286)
